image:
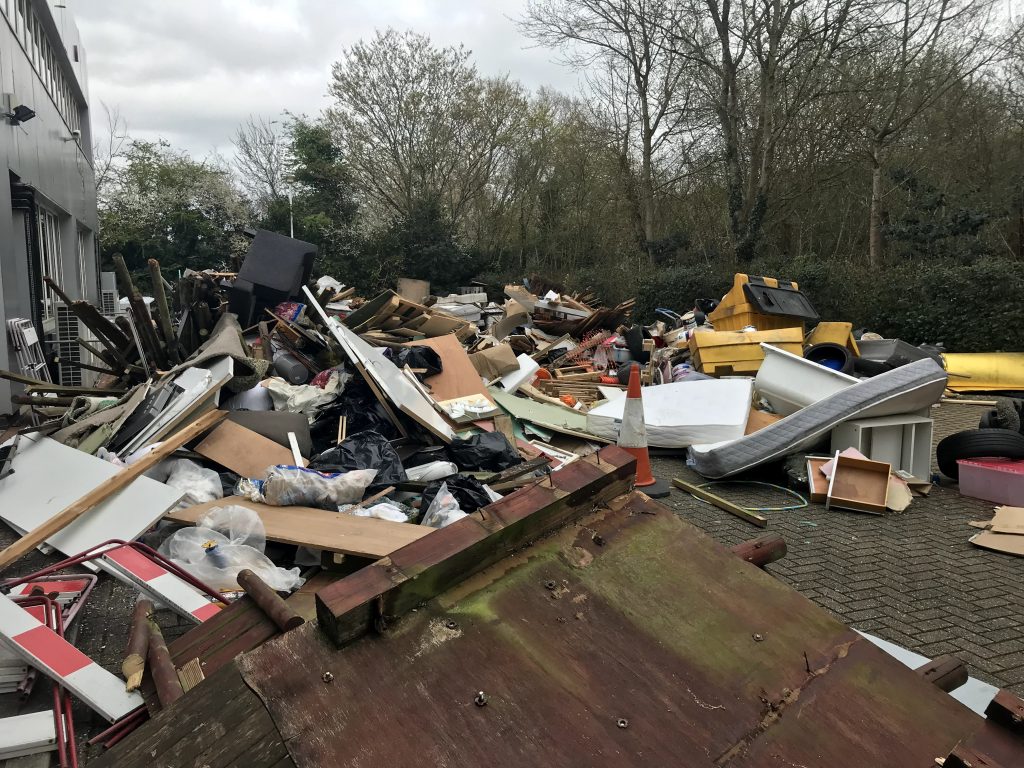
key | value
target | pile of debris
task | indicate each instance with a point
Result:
(258, 434)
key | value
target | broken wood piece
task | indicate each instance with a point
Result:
(163, 313)
(1007, 709)
(104, 490)
(945, 672)
(724, 504)
(140, 313)
(342, 429)
(269, 601)
(161, 668)
(134, 663)
(762, 550)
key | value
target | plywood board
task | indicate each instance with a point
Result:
(319, 528)
(244, 452)
(459, 377)
(49, 476)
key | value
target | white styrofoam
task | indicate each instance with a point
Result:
(48, 476)
(683, 413)
(528, 368)
(789, 382)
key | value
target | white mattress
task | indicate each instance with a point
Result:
(682, 414)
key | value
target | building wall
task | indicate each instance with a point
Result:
(43, 154)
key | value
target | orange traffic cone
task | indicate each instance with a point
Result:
(633, 437)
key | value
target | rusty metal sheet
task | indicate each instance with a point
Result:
(630, 639)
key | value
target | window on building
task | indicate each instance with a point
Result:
(49, 257)
(85, 275)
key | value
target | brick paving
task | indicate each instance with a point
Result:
(911, 578)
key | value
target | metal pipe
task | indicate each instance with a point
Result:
(276, 609)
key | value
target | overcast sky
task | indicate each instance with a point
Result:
(191, 70)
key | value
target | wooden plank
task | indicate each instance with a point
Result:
(244, 452)
(218, 723)
(391, 587)
(318, 528)
(459, 378)
(108, 487)
(124, 515)
(724, 504)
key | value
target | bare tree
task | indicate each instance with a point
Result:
(640, 86)
(260, 160)
(109, 149)
(763, 63)
(915, 52)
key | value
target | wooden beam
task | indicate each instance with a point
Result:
(107, 488)
(389, 588)
(723, 504)
(945, 672)
(762, 550)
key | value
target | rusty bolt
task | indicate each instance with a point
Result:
(622, 722)
(550, 584)
(480, 699)
(451, 624)
(758, 637)
(327, 677)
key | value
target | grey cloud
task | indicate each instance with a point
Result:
(192, 70)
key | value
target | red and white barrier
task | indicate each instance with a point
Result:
(48, 652)
(159, 584)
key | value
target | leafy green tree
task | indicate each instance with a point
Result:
(160, 203)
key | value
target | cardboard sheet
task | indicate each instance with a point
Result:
(319, 528)
(459, 378)
(494, 361)
(247, 453)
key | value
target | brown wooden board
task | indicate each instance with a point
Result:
(629, 639)
(318, 528)
(817, 483)
(244, 452)
(459, 377)
(220, 722)
(390, 587)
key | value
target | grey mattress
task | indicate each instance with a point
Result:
(905, 389)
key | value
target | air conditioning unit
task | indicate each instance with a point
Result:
(109, 301)
(69, 352)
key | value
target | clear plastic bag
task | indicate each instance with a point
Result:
(443, 510)
(295, 486)
(226, 541)
(199, 484)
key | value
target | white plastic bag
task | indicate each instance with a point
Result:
(386, 510)
(443, 510)
(199, 484)
(305, 398)
(434, 470)
(216, 554)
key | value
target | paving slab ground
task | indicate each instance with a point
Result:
(911, 578)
